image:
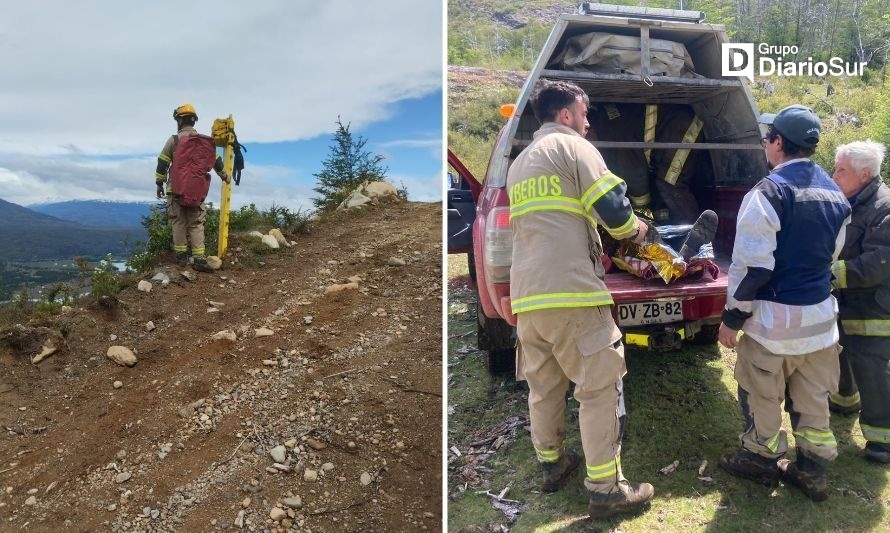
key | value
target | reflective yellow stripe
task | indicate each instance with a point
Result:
(819, 438)
(198, 251)
(875, 434)
(537, 199)
(680, 155)
(561, 300)
(625, 230)
(840, 273)
(641, 201)
(773, 444)
(844, 401)
(649, 131)
(547, 456)
(164, 158)
(552, 207)
(868, 328)
(180, 248)
(160, 178)
(603, 470)
(606, 183)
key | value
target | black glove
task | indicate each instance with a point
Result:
(652, 235)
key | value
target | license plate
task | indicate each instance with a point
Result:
(650, 313)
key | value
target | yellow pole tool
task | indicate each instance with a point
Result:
(226, 193)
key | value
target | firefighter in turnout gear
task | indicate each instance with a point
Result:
(187, 222)
(862, 277)
(790, 227)
(669, 170)
(560, 190)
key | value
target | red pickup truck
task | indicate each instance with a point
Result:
(728, 161)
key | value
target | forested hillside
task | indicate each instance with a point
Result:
(510, 33)
(493, 43)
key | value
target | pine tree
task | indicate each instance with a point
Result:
(347, 166)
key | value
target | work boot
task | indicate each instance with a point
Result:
(703, 231)
(557, 473)
(879, 453)
(808, 475)
(749, 465)
(182, 259)
(625, 498)
(652, 235)
(200, 264)
(841, 405)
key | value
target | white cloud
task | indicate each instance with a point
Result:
(26, 180)
(420, 189)
(104, 77)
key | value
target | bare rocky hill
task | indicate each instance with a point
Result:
(315, 411)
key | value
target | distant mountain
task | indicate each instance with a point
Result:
(97, 212)
(27, 235)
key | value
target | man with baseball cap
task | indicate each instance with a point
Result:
(790, 228)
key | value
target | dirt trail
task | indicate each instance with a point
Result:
(349, 384)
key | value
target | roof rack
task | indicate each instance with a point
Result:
(652, 13)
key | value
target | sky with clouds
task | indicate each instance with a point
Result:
(88, 90)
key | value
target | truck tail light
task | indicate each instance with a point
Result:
(498, 245)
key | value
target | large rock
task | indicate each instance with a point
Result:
(294, 503)
(48, 348)
(121, 355)
(356, 199)
(225, 335)
(378, 189)
(270, 241)
(275, 232)
(338, 287)
(255, 234)
(263, 332)
(214, 262)
(144, 286)
(278, 453)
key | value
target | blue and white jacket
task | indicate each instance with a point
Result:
(790, 228)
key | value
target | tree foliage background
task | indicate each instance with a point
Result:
(508, 35)
(511, 33)
(346, 167)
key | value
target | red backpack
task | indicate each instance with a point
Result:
(193, 157)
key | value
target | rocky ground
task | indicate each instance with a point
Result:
(299, 390)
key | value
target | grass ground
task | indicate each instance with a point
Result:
(682, 407)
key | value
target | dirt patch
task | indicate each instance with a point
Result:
(349, 384)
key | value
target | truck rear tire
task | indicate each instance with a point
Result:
(500, 361)
(708, 334)
(497, 341)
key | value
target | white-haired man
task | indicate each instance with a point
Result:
(862, 275)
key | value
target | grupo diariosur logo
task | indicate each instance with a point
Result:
(737, 59)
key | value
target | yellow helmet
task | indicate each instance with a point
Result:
(185, 110)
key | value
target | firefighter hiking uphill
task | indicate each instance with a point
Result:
(184, 165)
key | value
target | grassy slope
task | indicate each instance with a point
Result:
(682, 406)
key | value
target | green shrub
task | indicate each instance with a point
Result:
(211, 230)
(402, 192)
(286, 220)
(58, 295)
(105, 280)
(246, 218)
(140, 260)
(160, 234)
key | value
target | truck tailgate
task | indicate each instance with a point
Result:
(629, 288)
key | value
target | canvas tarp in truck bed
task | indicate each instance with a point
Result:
(607, 53)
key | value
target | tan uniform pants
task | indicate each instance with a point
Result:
(188, 226)
(803, 382)
(582, 345)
